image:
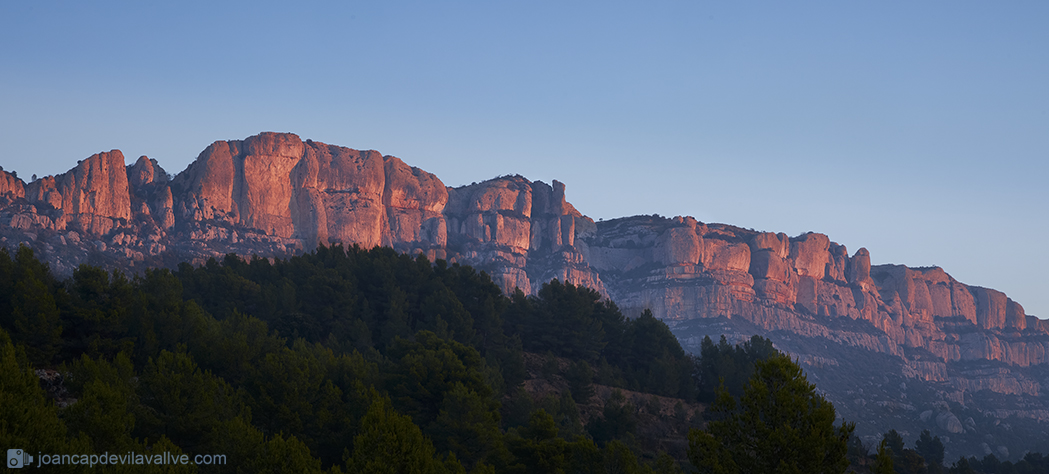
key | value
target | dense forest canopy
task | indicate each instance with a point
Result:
(352, 360)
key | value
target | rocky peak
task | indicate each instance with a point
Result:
(93, 197)
(525, 228)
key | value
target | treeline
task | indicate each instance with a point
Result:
(773, 420)
(572, 322)
(351, 360)
(926, 457)
(341, 360)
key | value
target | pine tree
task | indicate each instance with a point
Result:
(390, 443)
(27, 419)
(930, 448)
(883, 461)
(780, 425)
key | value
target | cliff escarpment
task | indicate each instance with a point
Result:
(274, 195)
(683, 270)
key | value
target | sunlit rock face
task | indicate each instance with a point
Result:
(10, 186)
(93, 196)
(523, 233)
(684, 270)
(274, 194)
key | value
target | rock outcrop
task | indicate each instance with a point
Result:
(93, 196)
(273, 194)
(276, 195)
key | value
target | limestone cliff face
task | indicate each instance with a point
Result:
(93, 196)
(274, 194)
(522, 232)
(684, 270)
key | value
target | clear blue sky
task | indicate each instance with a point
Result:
(919, 130)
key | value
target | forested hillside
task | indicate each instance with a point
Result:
(335, 360)
(351, 360)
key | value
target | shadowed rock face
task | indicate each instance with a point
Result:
(275, 195)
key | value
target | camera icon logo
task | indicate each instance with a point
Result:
(17, 458)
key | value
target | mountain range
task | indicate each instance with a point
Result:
(891, 346)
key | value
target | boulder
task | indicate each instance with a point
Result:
(948, 422)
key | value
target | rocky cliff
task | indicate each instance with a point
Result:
(682, 270)
(275, 195)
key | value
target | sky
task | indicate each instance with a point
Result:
(918, 130)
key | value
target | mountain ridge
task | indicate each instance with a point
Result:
(274, 194)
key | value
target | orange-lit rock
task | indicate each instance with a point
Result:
(414, 201)
(93, 196)
(681, 246)
(810, 255)
(724, 255)
(11, 186)
(337, 193)
(990, 307)
(859, 269)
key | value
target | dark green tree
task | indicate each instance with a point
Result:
(248, 451)
(963, 466)
(28, 420)
(105, 407)
(568, 320)
(96, 313)
(618, 458)
(618, 420)
(883, 460)
(580, 379)
(468, 424)
(931, 449)
(905, 461)
(859, 454)
(731, 365)
(538, 448)
(584, 457)
(183, 403)
(441, 385)
(390, 443)
(291, 390)
(780, 425)
(651, 357)
(33, 318)
(894, 441)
